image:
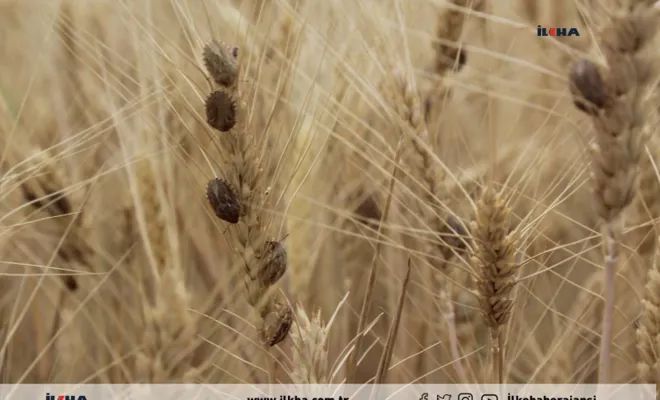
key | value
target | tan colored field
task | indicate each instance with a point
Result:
(329, 191)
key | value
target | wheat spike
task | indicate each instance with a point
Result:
(241, 199)
(619, 115)
(493, 257)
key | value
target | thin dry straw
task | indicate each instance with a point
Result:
(648, 331)
(351, 363)
(386, 358)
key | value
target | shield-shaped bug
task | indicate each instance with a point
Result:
(368, 212)
(223, 199)
(221, 63)
(221, 111)
(274, 263)
(588, 88)
(276, 325)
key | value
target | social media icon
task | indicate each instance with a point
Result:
(425, 396)
(489, 397)
(445, 397)
(465, 396)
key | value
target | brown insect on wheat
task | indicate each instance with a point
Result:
(274, 263)
(587, 87)
(221, 62)
(224, 201)
(221, 111)
(277, 321)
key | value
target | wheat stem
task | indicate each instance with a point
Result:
(386, 358)
(608, 312)
(373, 270)
(450, 318)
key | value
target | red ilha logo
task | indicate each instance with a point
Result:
(542, 31)
(64, 397)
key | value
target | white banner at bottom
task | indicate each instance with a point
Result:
(327, 392)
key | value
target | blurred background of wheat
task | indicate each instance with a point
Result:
(426, 156)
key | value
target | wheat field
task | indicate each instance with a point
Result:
(310, 191)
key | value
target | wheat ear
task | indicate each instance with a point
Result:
(168, 338)
(619, 114)
(46, 192)
(310, 343)
(240, 198)
(449, 55)
(493, 252)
